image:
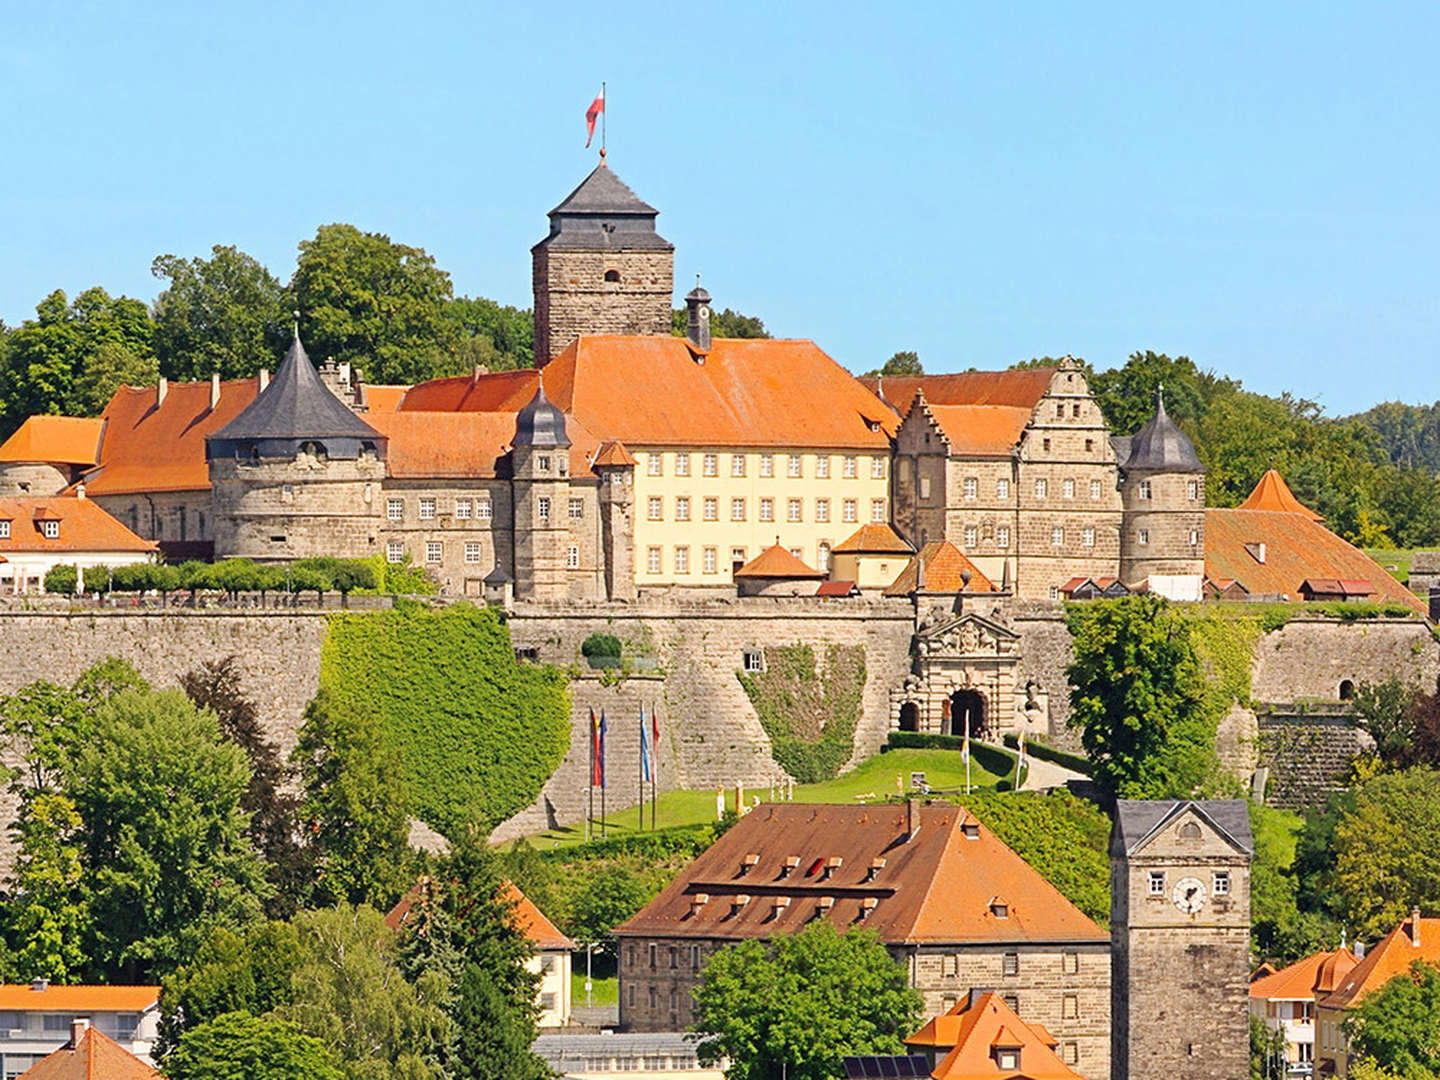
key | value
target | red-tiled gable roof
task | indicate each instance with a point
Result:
(83, 526)
(531, 922)
(1296, 548)
(775, 562)
(98, 1057)
(874, 540)
(62, 440)
(612, 452)
(1272, 493)
(936, 887)
(462, 444)
(651, 391)
(382, 399)
(1393, 956)
(981, 430)
(945, 564)
(1302, 980)
(1021, 389)
(150, 448)
(978, 1026)
(837, 589)
(23, 997)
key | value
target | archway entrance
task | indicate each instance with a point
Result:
(967, 713)
(909, 716)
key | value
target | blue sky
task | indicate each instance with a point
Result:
(1253, 185)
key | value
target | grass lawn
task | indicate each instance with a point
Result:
(602, 991)
(1395, 560)
(873, 779)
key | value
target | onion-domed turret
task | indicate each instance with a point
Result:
(540, 423)
(1161, 446)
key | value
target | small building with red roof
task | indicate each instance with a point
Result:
(777, 572)
(984, 1038)
(1285, 999)
(37, 1019)
(38, 534)
(89, 1055)
(872, 557)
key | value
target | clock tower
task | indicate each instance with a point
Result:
(1180, 940)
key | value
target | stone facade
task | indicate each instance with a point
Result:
(1307, 752)
(1164, 533)
(33, 478)
(575, 294)
(163, 516)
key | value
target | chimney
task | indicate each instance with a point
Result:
(697, 321)
(912, 819)
(161, 389)
(78, 1026)
(39, 986)
(80, 490)
(214, 389)
(1415, 926)
(264, 380)
(1358, 949)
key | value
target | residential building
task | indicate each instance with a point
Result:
(38, 1018)
(872, 557)
(1285, 1000)
(982, 1038)
(951, 902)
(40, 533)
(90, 1055)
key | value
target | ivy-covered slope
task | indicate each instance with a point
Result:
(809, 713)
(477, 733)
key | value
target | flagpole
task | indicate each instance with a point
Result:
(641, 801)
(603, 97)
(590, 782)
(604, 824)
(654, 766)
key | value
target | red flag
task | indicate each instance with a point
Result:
(597, 751)
(592, 114)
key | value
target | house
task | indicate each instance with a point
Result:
(40, 533)
(776, 572)
(37, 1018)
(951, 902)
(982, 1038)
(1285, 1000)
(1416, 938)
(89, 1055)
(872, 556)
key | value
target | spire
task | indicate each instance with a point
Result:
(540, 423)
(1160, 446)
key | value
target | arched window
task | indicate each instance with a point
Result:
(1347, 690)
(1189, 831)
(613, 276)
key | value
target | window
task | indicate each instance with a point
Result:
(682, 508)
(394, 511)
(543, 506)
(631, 996)
(709, 465)
(877, 468)
(655, 465)
(848, 467)
(1157, 883)
(577, 509)
(427, 509)
(1094, 489)
(547, 1001)
(1144, 490)
(682, 560)
(737, 464)
(56, 1022)
(767, 509)
(1007, 1060)
(544, 460)
(395, 552)
(1002, 536)
(1220, 886)
(823, 555)
(483, 509)
(652, 996)
(737, 509)
(1070, 963)
(1067, 488)
(708, 561)
(462, 509)
(674, 998)
(1069, 1007)
(572, 557)
(972, 537)
(1054, 592)
(1072, 1053)
(1059, 410)
(712, 508)
(682, 464)
(125, 1025)
(822, 467)
(1194, 537)
(1057, 536)
(754, 660)
(737, 556)
(51, 529)
(849, 511)
(434, 551)
(1087, 536)
(924, 487)
(1041, 487)
(472, 551)
(694, 957)
(1002, 489)
(971, 487)
(877, 511)
(612, 276)
(822, 509)
(792, 510)
(797, 552)
(1010, 964)
(1144, 536)
(794, 465)
(1192, 489)
(767, 464)
(652, 565)
(1089, 445)
(654, 507)
(1045, 443)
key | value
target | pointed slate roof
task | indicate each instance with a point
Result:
(1162, 446)
(604, 214)
(1137, 820)
(540, 423)
(602, 192)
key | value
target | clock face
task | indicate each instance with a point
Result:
(704, 312)
(1189, 895)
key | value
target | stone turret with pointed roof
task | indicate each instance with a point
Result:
(1162, 533)
(603, 269)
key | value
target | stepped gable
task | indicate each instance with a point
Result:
(939, 567)
(1318, 974)
(296, 407)
(60, 440)
(776, 563)
(1416, 938)
(977, 1031)
(938, 876)
(602, 213)
(1272, 493)
(1159, 446)
(95, 1057)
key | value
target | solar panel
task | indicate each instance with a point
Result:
(881, 1066)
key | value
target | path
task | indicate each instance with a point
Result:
(1044, 775)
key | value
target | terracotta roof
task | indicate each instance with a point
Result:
(462, 444)
(21, 997)
(776, 562)
(84, 526)
(838, 589)
(150, 448)
(1392, 956)
(1336, 586)
(529, 920)
(1304, 979)
(937, 886)
(650, 391)
(1297, 547)
(975, 1028)
(983, 430)
(944, 564)
(612, 452)
(97, 1057)
(1272, 493)
(874, 540)
(1020, 388)
(63, 440)
(383, 399)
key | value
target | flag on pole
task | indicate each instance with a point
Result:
(647, 767)
(654, 743)
(965, 746)
(600, 756)
(1021, 761)
(597, 753)
(592, 114)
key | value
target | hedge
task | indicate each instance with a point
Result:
(990, 758)
(1034, 748)
(477, 734)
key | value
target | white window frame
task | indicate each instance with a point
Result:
(1002, 536)
(655, 465)
(4, 530)
(654, 508)
(737, 465)
(972, 537)
(1087, 536)
(577, 509)
(1096, 489)
(1042, 488)
(427, 509)
(849, 467)
(484, 509)
(1144, 491)
(711, 508)
(877, 511)
(822, 510)
(682, 559)
(572, 557)
(1144, 536)
(1002, 488)
(794, 510)
(822, 466)
(971, 487)
(767, 465)
(924, 487)
(463, 509)
(394, 552)
(767, 509)
(709, 560)
(682, 464)
(877, 468)
(1057, 536)
(542, 505)
(394, 509)
(737, 508)
(795, 467)
(682, 507)
(1157, 883)
(434, 552)
(50, 529)
(1192, 489)
(472, 551)
(653, 557)
(710, 465)
(1067, 488)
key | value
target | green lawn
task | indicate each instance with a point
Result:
(602, 991)
(1395, 560)
(875, 778)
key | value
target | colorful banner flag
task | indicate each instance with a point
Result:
(597, 770)
(647, 767)
(592, 114)
(600, 754)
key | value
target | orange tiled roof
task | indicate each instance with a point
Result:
(150, 448)
(984, 430)
(612, 452)
(651, 391)
(776, 562)
(1272, 493)
(382, 399)
(529, 919)
(63, 440)
(22, 997)
(874, 540)
(1297, 547)
(97, 1057)
(944, 564)
(935, 887)
(462, 444)
(973, 1030)
(1020, 389)
(1302, 980)
(1393, 956)
(84, 526)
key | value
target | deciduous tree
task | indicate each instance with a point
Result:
(238, 1046)
(223, 314)
(1387, 851)
(1398, 1026)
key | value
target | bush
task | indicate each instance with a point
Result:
(62, 580)
(1045, 752)
(600, 648)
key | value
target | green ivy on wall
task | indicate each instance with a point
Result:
(478, 734)
(809, 714)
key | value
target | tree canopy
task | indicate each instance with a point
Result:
(1387, 850)
(222, 314)
(902, 363)
(238, 1046)
(1397, 1028)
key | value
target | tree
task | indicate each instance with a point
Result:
(379, 305)
(1387, 851)
(1126, 395)
(723, 324)
(799, 1003)
(1424, 731)
(902, 363)
(111, 366)
(61, 579)
(1398, 1026)
(608, 896)
(1267, 1050)
(46, 916)
(1136, 696)
(1384, 711)
(159, 793)
(238, 1046)
(495, 336)
(353, 812)
(223, 314)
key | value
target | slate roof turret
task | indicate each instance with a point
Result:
(604, 214)
(540, 423)
(1160, 446)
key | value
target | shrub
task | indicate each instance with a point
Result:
(62, 579)
(598, 648)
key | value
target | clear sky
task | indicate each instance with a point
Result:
(1253, 185)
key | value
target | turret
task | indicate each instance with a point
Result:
(540, 461)
(1162, 536)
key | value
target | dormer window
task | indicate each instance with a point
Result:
(50, 529)
(1007, 1058)
(876, 865)
(999, 908)
(791, 862)
(612, 276)
(748, 863)
(971, 829)
(833, 863)
(4, 530)
(868, 905)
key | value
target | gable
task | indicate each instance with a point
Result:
(1178, 828)
(967, 635)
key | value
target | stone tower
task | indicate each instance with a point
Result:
(615, 466)
(297, 473)
(603, 269)
(1180, 940)
(1162, 535)
(541, 478)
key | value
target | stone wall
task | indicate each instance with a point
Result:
(1307, 752)
(1309, 658)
